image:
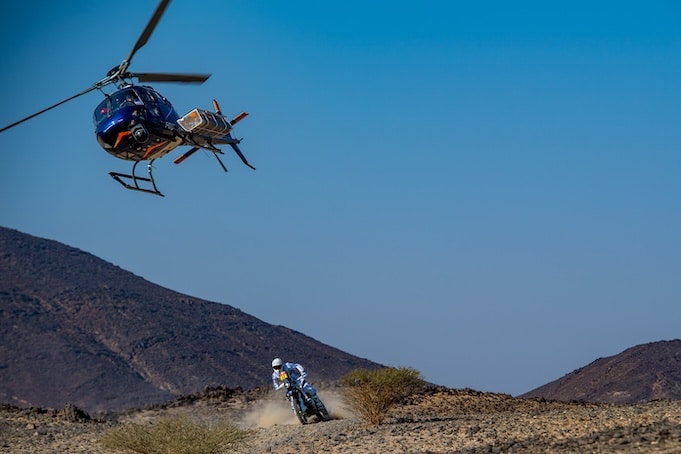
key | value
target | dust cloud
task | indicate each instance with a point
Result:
(268, 413)
(335, 403)
(276, 410)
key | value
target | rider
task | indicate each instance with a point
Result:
(295, 371)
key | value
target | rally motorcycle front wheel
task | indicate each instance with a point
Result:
(298, 411)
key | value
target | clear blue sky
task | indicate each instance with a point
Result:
(486, 191)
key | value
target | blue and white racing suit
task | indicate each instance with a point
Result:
(297, 373)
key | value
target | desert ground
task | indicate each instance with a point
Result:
(439, 420)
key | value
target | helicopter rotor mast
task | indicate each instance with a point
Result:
(120, 72)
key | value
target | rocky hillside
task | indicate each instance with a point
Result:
(437, 421)
(77, 329)
(639, 374)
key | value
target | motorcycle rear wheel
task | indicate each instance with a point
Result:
(322, 412)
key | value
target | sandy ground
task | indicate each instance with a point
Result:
(439, 421)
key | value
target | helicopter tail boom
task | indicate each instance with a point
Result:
(207, 123)
(213, 128)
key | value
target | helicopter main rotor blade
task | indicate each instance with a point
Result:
(87, 90)
(146, 33)
(171, 77)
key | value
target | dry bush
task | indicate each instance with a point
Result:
(371, 393)
(173, 435)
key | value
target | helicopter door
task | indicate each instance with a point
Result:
(149, 102)
(167, 110)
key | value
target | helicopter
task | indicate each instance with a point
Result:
(136, 123)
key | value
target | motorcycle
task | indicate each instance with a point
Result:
(303, 405)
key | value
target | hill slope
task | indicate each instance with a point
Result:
(639, 374)
(76, 329)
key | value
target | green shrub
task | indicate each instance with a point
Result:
(173, 435)
(371, 393)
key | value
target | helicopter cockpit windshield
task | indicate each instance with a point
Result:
(123, 98)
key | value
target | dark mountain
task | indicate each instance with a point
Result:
(76, 329)
(639, 374)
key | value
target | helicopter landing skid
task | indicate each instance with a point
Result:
(125, 179)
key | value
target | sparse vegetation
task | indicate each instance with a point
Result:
(372, 393)
(174, 435)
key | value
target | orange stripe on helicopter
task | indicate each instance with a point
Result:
(239, 117)
(216, 106)
(120, 137)
(152, 148)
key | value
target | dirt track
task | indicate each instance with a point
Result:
(441, 421)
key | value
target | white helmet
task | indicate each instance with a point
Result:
(277, 363)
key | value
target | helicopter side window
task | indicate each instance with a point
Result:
(145, 95)
(167, 109)
(149, 101)
(102, 111)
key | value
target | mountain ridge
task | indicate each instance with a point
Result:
(79, 330)
(642, 373)
(75, 329)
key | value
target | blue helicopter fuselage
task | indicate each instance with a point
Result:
(136, 123)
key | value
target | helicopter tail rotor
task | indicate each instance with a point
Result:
(231, 141)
